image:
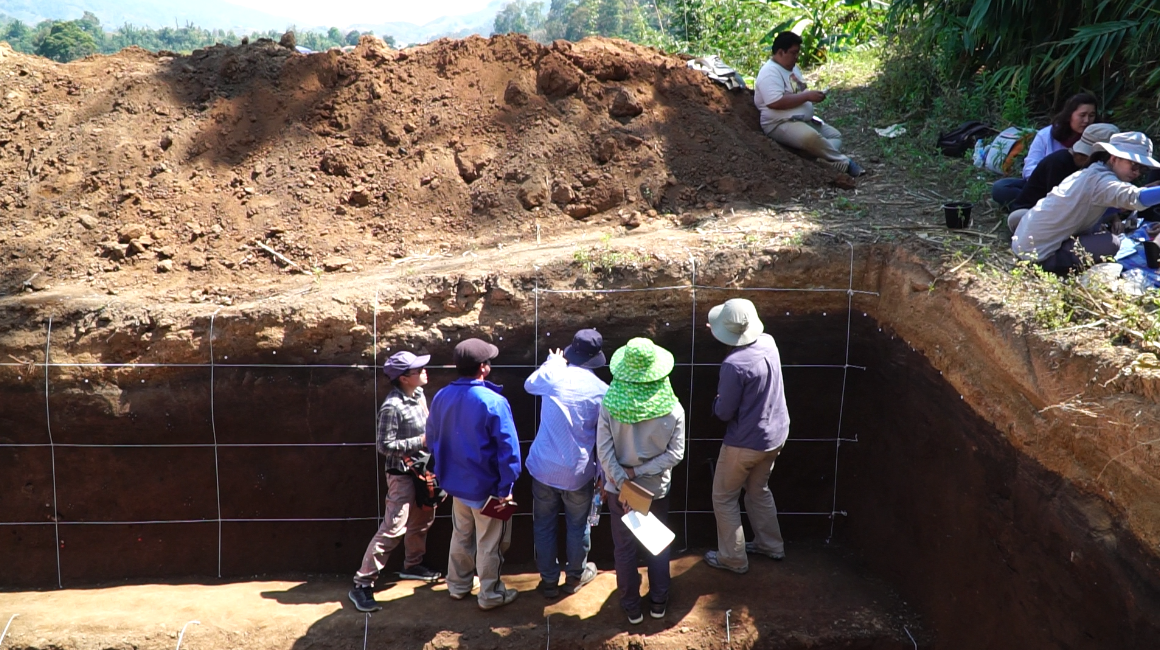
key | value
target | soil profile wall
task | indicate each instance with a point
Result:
(291, 451)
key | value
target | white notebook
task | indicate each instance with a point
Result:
(649, 530)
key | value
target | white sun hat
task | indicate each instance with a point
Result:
(1133, 145)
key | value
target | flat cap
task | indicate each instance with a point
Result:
(474, 351)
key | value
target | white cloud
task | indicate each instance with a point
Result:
(340, 13)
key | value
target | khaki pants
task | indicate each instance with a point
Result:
(404, 520)
(739, 468)
(821, 141)
(1014, 218)
(477, 546)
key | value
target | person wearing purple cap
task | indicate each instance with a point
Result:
(477, 456)
(562, 460)
(400, 435)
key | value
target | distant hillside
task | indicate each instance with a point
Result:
(479, 22)
(218, 14)
(209, 14)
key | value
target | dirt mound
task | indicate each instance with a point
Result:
(143, 168)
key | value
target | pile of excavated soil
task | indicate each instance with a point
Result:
(179, 171)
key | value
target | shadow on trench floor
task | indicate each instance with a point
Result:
(816, 598)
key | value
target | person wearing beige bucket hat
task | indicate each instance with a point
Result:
(1081, 213)
(640, 437)
(751, 400)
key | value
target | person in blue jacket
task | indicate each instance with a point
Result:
(472, 436)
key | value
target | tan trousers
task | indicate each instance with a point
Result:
(404, 520)
(821, 141)
(739, 468)
(477, 546)
(1014, 218)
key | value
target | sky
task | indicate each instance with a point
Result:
(347, 12)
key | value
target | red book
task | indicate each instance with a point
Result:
(497, 509)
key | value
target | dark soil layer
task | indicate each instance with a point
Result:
(994, 550)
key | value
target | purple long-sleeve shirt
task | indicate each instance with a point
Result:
(751, 397)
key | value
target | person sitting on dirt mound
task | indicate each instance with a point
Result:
(400, 437)
(787, 107)
(1075, 212)
(1063, 163)
(1064, 131)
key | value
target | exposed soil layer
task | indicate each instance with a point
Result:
(989, 514)
(169, 171)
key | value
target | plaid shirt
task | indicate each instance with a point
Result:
(402, 422)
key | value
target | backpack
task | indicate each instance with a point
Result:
(963, 139)
(717, 70)
(1001, 154)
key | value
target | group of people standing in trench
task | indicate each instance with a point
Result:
(593, 438)
(1079, 175)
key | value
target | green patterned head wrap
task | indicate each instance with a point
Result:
(640, 388)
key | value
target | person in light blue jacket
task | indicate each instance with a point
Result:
(562, 460)
(472, 436)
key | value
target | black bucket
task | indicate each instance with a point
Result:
(1152, 254)
(958, 214)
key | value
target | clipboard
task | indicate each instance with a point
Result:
(497, 509)
(638, 498)
(649, 530)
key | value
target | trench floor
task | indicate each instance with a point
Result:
(815, 598)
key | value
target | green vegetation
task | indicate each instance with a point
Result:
(65, 41)
(604, 258)
(739, 31)
(1024, 57)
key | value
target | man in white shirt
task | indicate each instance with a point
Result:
(787, 107)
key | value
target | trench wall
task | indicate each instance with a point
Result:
(146, 460)
(992, 542)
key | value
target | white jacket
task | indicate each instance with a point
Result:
(1073, 207)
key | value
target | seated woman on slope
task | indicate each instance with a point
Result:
(1064, 131)
(1073, 213)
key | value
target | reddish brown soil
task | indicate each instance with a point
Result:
(117, 169)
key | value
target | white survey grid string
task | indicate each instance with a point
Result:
(692, 287)
(213, 364)
(213, 426)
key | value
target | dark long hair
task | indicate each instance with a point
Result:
(1061, 124)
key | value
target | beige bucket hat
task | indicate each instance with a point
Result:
(735, 322)
(1133, 145)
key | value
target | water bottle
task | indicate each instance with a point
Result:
(594, 511)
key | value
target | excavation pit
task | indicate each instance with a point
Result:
(241, 444)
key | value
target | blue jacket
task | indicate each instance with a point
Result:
(471, 433)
